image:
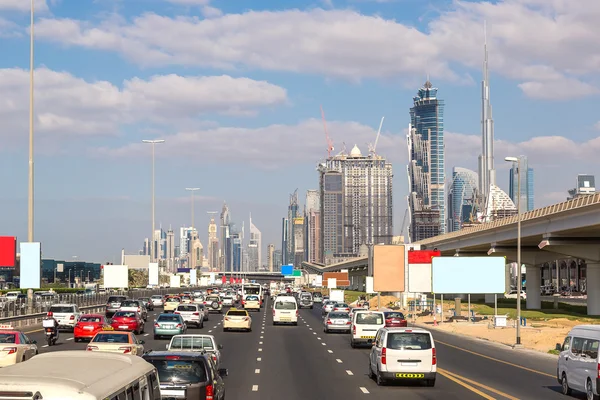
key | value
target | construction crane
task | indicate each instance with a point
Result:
(405, 216)
(329, 142)
(373, 147)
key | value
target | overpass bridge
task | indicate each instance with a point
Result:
(567, 229)
(254, 275)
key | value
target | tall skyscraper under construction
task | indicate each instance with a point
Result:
(426, 167)
(356, 203)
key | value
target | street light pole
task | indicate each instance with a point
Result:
(30, 197)
(153, 143)
(517, 160)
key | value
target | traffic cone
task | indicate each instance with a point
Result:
(434, 320)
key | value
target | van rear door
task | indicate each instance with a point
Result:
(365, 324)
(410, 351)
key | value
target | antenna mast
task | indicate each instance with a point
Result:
(329, 142)
(373, 148)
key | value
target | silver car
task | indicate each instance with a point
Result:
(191, 314)
(337, 322)
(328, 306)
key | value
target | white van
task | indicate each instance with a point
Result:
(578, 365)
(365, 325)
(80, 375)
(403, 354)
(285, 310)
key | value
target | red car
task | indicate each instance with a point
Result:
(88, 326)
(128, 321)
(394, 319)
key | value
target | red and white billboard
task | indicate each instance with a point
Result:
(419, 270)
(8, 251)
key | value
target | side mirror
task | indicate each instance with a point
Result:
(223, 372)
(220, 347)
(558, 347)
(141, 341)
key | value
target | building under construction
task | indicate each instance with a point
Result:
(355, 202)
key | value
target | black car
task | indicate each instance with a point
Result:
(147, 302)
(194, 373)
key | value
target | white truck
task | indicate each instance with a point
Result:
(336, 295)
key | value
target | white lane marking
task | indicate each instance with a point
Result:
(364, 390)
(259, 359)
(259, 349)
(45, 345)
(314, 333)
(330, 351)
(338, 360)
(255, 388)
(70, 338)
(146, 334)
(318, 338)
(210, 331)
(262, 337)
(215, 327)
(260, 343)
(324, 344)
(310, 328)
(349, 372)
(257, 371)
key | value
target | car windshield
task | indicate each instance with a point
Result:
(7, 338)
(62, 309)
(341, 305)
(237, 313)
(285, 305)
(408, 341)
(364, 318)
(339, 315)
(168, 318)
(394, 314)
(116, 299)
(187, 308)
(124, 314)
(111, 338)
(90, 318)
(191, 342)
(130, 303)
(180, 371)
(317, 295)
(157, 297)
(173, 300)
(252, 298)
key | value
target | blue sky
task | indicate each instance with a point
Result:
(234, 87)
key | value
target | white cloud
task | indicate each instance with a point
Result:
(211, 12)
(537, 42)
(67, 105)
(9, 28)
(23, 5)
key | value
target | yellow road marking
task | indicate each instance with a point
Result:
(465, 385)
(481, 385)
(495, 359)
(34, 331)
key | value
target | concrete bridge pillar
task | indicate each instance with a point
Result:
(593, 288)
(533, 276)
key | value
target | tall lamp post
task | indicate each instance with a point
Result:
(30, 197)
(517, 161)
(191, 252)
(153, 143)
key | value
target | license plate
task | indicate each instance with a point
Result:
(89, 328)
(410, 376)
(409, 364)
(339, 322)
(169, 326)
(123, 327)
(367, 337)
(285, 319)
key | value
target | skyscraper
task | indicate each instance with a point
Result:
(355, 203)
(527, 203)
(170, 256)
(292, 214)
(256, 242)
(270, 251)
(277, 260)
(463, 197)
(487, 173)
(225, 242)
(298, 234)
(284, 240)
(312, 227)
(213, 246)
(586, 184)
(426, 166)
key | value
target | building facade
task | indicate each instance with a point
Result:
(586, 184)
(527, 199)
(462, 198)
(270, 251)
(312, 226)
(255, 243)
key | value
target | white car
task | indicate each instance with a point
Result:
(404, 354)
(67, 315)
(227, 300)
(285, 310)
(157, 300)
(365, 325)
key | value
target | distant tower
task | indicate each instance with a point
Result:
(487, 174)
(270, 253)
(213, 246)
(170, 250)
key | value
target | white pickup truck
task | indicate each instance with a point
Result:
(197, 343)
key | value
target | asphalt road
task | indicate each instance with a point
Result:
(299, 362)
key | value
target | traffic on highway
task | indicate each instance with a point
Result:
(270, 343)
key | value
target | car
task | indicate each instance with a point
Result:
(147, 303)
(113, 304)
(116, 342)
(169, 325)
(227, 300)
(251, 302)
(237, 319)
(317, 297)
(327, 306)
(403, 354)
(306, 300)
(135, 305)
(197, 343)
(203, 379)
(285, 310)
(576, 368)
(365, 325)
(66, 315)
(341, 307)
(157, 300)
(337, 322)
(192, 314)
(214, 303)
(88, 325)
(171, 304)
(15, 346)
(395, 319)
(128, 321)
(186, 298)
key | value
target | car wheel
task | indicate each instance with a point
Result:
(352, 344)
(156, 337)
(379, 379)
(589, 391)
(566, 390)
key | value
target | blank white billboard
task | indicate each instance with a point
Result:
(468, 275)
(116, 276)
(175, 281)
(369, 285)
(211, 278)
(419, 278)
(193, 277)
(319, 280)
(152, 273)
(332, 283)
(31, 265)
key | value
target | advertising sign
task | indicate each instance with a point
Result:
(153, 273)
(332, 283)
(419, 270)
(287, 270)
(175, 281)
(369, 285)
(31, 259)
(116, 276)
(193, 277)
(468, 275)
(8, 251)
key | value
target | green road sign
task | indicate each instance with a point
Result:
(297, 273)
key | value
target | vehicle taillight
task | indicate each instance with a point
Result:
(176, 312)
(196, 313)
(139, 309)
(354, 330)
(243, 302)
(297, 313)
(348, 322)
(273, 312)
(227, 319)
(210, 392)
(91, 348)
(72, 317)
(384, 356)
(214, 357)
(11, 350)
(156, 325)
(329, 322)
(246, 318)
(125, 349)
(433, 357)
(598, 370)
(179, 326)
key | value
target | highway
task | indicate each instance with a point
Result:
(297, 362)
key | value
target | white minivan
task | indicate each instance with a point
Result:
(403, 354)
(365, 325)
(578, 365)
(285, 310)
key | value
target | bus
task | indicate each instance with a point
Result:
(252, 288)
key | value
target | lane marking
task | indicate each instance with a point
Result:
(70, 338)
(364, 390)
(259, 349)
(330, 351)
(466, 386)
(489, 389)
(259, 359)
(262, 337)
(255, 388)
(318, 338)
(497, 360)
(45, 345)
(257, 371)
(210, 331)
(314, 333)
(338, 360)
(146, 334)
(324, 344)
(349, 372)
(260, 342)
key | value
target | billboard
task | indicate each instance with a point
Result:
(369, 285)
(287, 270)
(152, 273)
(211, 278)
(342, 279)
(332, 283)
(419, 270)
(8, 251)
(193, 277)
(31, 259)
(175, 281)
(319, 281)
(116, 276)
(136, 261)
(388, 268)
(297, 273)
(468, 275)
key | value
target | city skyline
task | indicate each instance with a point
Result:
(254, 121)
